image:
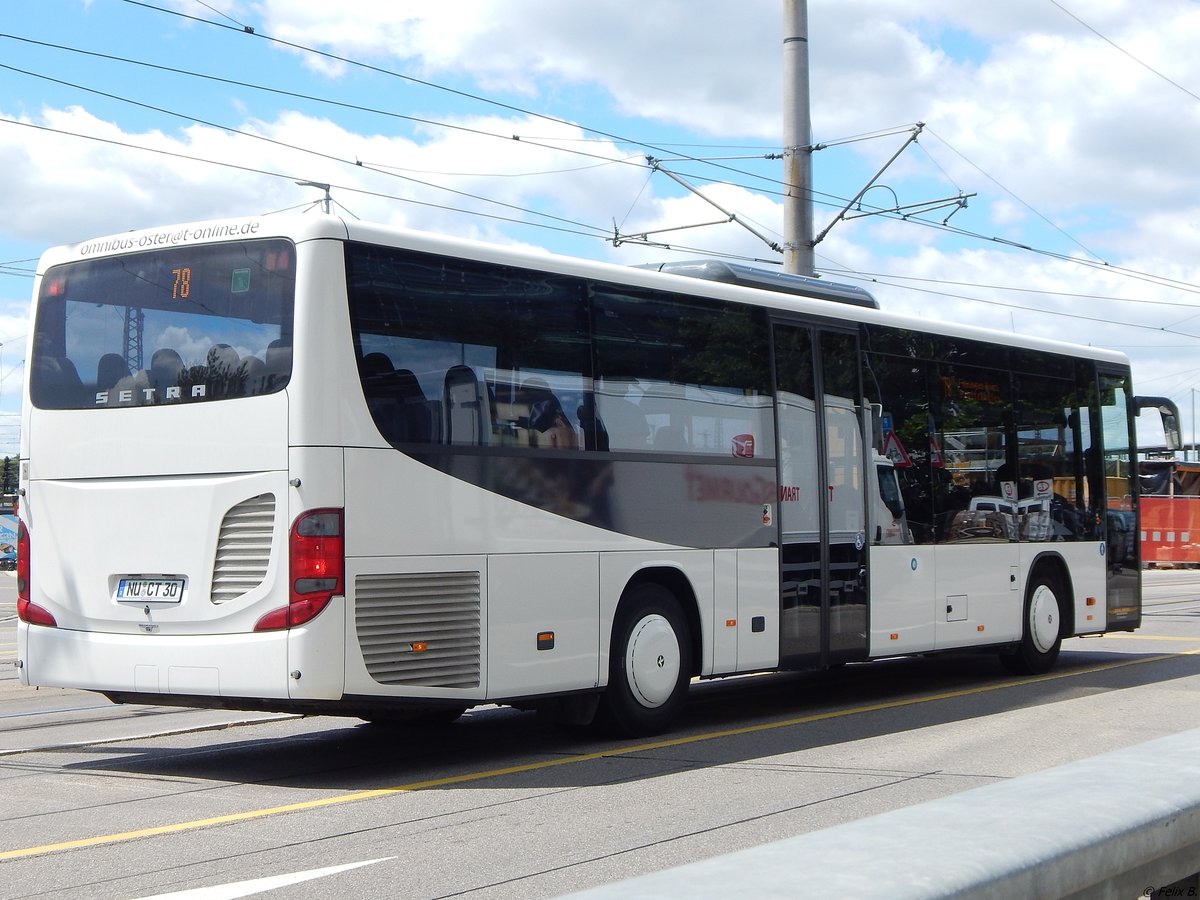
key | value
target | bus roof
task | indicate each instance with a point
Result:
(767, 279)
(716, 279)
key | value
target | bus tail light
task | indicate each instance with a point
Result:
(317, 561)
(28, 611)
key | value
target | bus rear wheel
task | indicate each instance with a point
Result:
(650, 663)
(1041, 632)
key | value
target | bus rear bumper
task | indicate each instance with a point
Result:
(154, 664)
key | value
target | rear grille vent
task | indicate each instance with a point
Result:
(243, 548)
(420, 629)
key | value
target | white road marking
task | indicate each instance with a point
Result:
(260, 885)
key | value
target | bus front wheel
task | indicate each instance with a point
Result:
(649, 663)
(1041, 632)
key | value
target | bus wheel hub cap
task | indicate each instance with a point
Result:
(652, 661)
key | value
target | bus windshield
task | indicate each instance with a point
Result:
(197, 323)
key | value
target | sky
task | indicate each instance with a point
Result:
(1051, 188)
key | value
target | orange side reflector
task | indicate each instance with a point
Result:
(419, 646)
(1091, 601)
(1089, 618)
(979, 628)
(731, 623)
(545, 640)
(893, 636)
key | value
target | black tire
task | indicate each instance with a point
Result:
(1041, 627)
(650, 663)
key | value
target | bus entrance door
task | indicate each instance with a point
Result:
(822, 503)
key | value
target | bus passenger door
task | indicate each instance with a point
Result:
(1118, 471)
(822, 502)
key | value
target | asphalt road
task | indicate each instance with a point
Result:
(107, 801)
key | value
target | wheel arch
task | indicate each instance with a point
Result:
(1052, 564)
(680, 587)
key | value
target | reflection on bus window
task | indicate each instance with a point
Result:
(164, 327)
(454, 352)
(973, 465)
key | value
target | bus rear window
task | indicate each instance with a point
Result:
(182, 325)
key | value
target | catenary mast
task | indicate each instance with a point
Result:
(797, 140)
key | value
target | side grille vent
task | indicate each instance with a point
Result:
(243, 548)
(420, 629)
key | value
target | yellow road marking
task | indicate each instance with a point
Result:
(466, 777)
(1149, 637)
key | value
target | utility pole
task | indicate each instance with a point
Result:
(797, 142)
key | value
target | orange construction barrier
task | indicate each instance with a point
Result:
(1170, 530)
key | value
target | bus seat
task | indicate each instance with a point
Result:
(166, 366)
(416, 415)
(136, 384)
(468, 410)
(624, 422)
(408, 389)
(56, 383)
(398, 405)
(109, 370)
(279, 364)
(255, 372)
(223, 360)
(670, 437)
(375, 364)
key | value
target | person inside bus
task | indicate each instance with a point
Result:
(547, 418)
(595, 434)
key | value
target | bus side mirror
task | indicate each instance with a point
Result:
(1170, 418)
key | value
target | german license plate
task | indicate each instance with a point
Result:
(159, 590)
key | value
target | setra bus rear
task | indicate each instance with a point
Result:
(163, 553)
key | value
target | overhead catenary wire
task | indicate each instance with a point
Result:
(587, 230)
(1103, 320)
(489, 101)
(284, 144)
(358, 107)
(775, 191)
(1141, 62)
(1071, 295)
(542, 142)
(593, 229)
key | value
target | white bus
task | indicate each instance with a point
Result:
(314, 465)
